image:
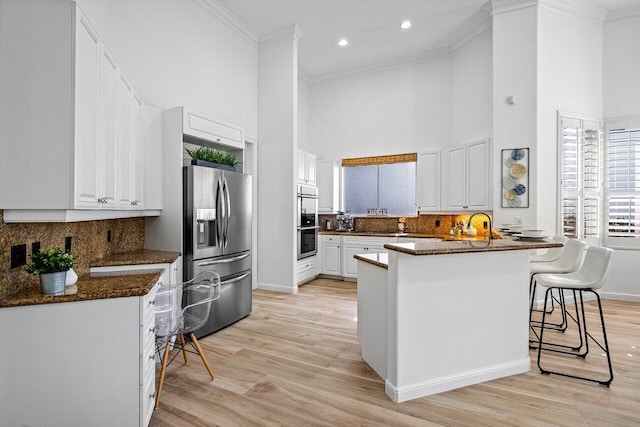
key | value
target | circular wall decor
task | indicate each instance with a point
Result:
(517, 154)
(520, 189)
(518, 170)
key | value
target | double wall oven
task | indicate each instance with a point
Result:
(307, 221)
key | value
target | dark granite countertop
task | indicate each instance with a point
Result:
(89, 287)
(144, 256)
(378, 259)
(463, 246)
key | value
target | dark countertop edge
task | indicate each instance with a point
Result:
(378, 234)
(36, 298)
(372, 259)
(139, 257)
(509, 245)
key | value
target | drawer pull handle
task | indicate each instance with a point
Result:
(152, 395)
(153, 356)
(152, 330)
(152, 302)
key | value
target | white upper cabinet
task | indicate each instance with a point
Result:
(211, 130)
(467, 177)
(328, 179)
(306, 168)
(428, 181)
(87, 85)
(71, 115)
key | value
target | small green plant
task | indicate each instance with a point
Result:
(211, 155)
(51, 260)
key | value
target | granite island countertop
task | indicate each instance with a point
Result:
(89, 287)
(464, 246)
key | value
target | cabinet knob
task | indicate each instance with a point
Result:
(152, 302)
(152, 330)
(153, 356)
(152, 395)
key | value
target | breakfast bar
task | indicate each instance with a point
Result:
(441, 315)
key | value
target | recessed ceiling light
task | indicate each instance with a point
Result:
(405, 25)
(343, 42)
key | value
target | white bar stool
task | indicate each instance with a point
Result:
(568, 262)
(551, 254)
(589, 278)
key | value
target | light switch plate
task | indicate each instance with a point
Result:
(519, 220)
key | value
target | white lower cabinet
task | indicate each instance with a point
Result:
(79, 363)
(307, 269)
(330, 255)
(360, 245)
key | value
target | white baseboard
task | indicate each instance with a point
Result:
(620, 297)
(278, 288)
(439, 385)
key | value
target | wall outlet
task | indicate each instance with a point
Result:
(35, 247)
(437, 223)
(67, 244)
(519, 220)
(108, 236)
(18, 255)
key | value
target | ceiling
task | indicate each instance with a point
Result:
(372, 28)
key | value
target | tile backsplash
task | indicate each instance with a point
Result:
(88, 241)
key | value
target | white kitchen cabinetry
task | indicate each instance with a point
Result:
(328, 180)
(360, 245)
(428, 181)
(211, 130)
(306, 168)
(468, 172)
(306, 269)
(62, 113)
(85, 363)
(330, 255)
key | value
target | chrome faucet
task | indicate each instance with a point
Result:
(488, 217)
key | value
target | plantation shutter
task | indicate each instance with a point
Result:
(623, 189)
(580, 178)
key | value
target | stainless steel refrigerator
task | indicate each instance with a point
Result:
(217, 236)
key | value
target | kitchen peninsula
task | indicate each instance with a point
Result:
(436, 316)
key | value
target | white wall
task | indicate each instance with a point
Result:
(569, 80)
(278, 106)
(176, 53)
(472, 90)
(622, 66)
(515, 70)
(303, 114)
(399, 110)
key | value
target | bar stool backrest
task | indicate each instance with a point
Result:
(572, 254)
(595, 267)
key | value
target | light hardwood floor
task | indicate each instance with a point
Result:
(295, 361)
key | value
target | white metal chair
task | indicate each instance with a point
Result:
(569, 261)
(551, 254)
(589, 278)
(172, 320)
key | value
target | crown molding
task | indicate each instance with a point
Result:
(384, 66)
(578, 8)
(622, 14)
(219, 12)
(292, 32)
(504, 6)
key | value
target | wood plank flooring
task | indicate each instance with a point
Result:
(295, 361)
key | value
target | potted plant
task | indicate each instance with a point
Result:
(51, 265)
(204, 156)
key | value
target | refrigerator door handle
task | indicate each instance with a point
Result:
(224, 261)
(219, 213)
(225, 187)
(235, 279)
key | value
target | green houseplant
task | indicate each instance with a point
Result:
(51, 265)
(204, 156)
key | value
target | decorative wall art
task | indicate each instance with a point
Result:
(515, 178)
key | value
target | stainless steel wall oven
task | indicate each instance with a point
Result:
(307, 221)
